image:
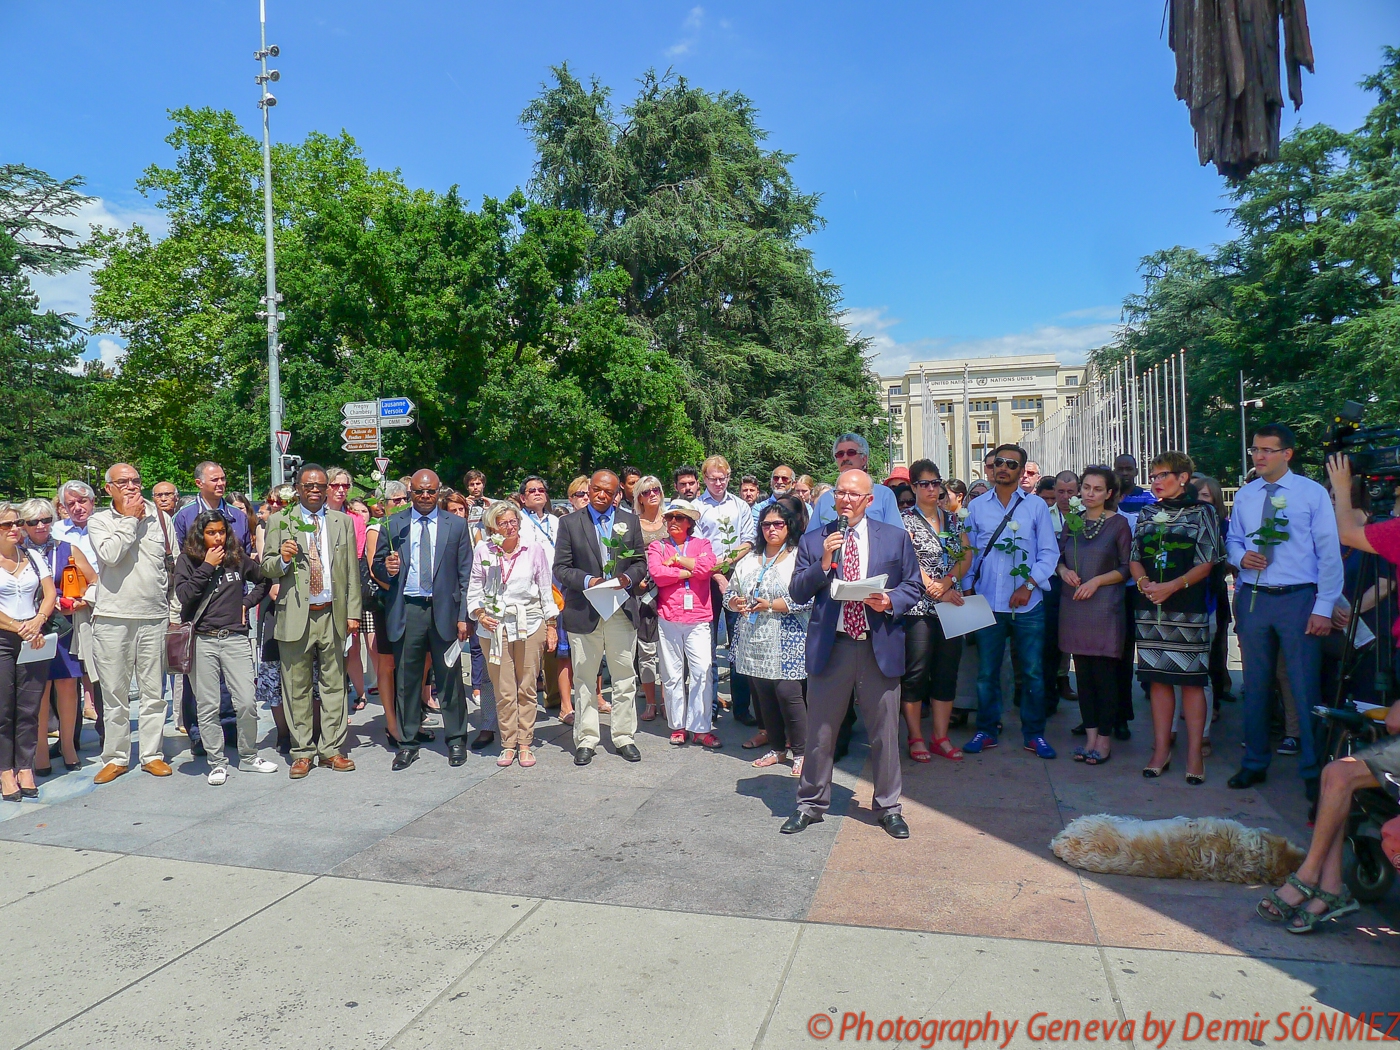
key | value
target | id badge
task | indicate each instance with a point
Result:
(753, 617)
(689, 601)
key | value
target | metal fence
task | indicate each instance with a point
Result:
(1117, 411)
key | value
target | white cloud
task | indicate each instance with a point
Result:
(1069, 342)
(691, 27)
(111, 352)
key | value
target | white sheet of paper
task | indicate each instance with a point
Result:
(1364, 635)
(28, 654)
(453, 654)
(606, 597)
(972, 615)
(858, 590)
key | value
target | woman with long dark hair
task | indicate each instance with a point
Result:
(212, 576)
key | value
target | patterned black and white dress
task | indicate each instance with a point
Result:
(1173, 639)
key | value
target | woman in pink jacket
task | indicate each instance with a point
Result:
(681, 565)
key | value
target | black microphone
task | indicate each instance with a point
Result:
(845, 528)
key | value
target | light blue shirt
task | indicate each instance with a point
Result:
(1036, 546)
(1311, 554)
(602, 526)
(883, 508)
(411, 584)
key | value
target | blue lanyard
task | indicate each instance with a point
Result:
(767, 564)
(539, 524)
(682, 552)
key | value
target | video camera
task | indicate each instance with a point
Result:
(1374, 453)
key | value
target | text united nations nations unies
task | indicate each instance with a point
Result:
(1302, 1026)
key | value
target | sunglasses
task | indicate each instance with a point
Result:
(7, 525)
(424, 492)
(781, 477)
(773, 525)
(1002, 461)
(35, 522)
(928, 484)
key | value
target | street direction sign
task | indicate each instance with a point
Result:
(284, 439)
(366, 433)
(388, 422)
(389, 407)
(381, 463)
(359, 446)
(360, 409)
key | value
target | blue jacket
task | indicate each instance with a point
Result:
(890, 552)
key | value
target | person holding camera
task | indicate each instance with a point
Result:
(1283, 540)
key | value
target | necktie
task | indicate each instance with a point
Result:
(852, 613)
(425, 557)
(1269, 511)
(318, 576)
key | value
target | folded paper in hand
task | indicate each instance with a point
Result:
(453, 654)
(28, 654)
(972, 615)
(858, 590)
(606, 597)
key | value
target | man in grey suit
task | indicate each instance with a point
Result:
(424, 565)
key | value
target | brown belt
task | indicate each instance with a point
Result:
(323, 605)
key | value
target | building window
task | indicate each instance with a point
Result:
(1071, 380)
(1070, 402)
(897, 453)
(1027, 404)
(1027, 425)
(984, 426)
(984, 406)
(945, 406)
(898, 389)
(897, 410)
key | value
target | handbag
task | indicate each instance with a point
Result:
(179, 637)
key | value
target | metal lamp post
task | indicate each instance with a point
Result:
(271, 300)
(1257, 402)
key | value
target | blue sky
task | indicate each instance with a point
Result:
(990, 173)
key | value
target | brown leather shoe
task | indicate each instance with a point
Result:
(158, 767)
(339, 763)
(109, 773)
(299, 768)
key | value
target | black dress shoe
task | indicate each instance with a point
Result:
(1079, 730)
(25, 792)
(957, 720)
(1122, 732)
(457, 754)
(798, 822)
(745, 719)
(425, 736)
(630, 752)
(583, 756)
(406, 757)
(483, 739)
(895, 825)
(1247, 778)
(47, 771)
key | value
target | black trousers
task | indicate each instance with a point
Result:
(1219, 650)
(783, 709)
(1126, 664)
(1098, 681)
(930, 661)
(1050, 653)
(421, 641)
(21, 692)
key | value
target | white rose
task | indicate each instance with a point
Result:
(620, 529)
(1279, 502)
(1075, 503)
(377, 476)
(1014, 526)
(1161, 517)
(963, 513)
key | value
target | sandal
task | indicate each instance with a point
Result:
(1276, 909)
(527, 759)
(604, 708)
(567, 720)
(1079, 753)
(649, 713)
(507, 757)
(678, 738)
(759, 739)
(1096, 758)
(918, 750)
(1338, 904)
(770, 759)
(944, 747)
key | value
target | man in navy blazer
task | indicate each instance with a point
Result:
(854, 646)
(424, 566)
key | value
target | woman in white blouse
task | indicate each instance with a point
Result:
(26, 602)
(511, 597)
(771, 640)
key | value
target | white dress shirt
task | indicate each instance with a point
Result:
(1312, 554)
(77, 536)
(412, 585)
(731, 510)
(544, 530)
(324, 595)
(861, 531)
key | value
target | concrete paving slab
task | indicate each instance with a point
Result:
(589, 975)
(119, 922)
(335, 964)
(27, 869)
(80, 825)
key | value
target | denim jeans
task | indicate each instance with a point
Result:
(1027, 633)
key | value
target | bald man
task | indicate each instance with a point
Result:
(854, 646)
(425, 565)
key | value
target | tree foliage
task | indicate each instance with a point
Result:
(706, 226)
(1303, 299)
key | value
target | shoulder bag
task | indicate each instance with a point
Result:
(977, 573)
(179, 637)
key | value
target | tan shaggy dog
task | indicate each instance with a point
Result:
(1180, 848)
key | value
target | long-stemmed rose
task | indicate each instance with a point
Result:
(1270, 533)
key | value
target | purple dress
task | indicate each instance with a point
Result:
(1095, 627)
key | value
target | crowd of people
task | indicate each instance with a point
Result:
(1090, 574)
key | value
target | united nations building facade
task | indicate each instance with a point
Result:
(954, 411)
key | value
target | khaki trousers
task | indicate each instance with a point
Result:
(616, 638)
(319, 647)
(123, 649)
(513, 681)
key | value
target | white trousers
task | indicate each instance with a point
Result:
(123, 649)
(687, 696)
(617, 638)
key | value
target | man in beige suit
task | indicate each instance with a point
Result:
(310, 551)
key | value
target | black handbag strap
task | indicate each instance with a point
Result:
(977, 575)
(204, 603)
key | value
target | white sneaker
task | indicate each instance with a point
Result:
(218, 775)
(257, 765)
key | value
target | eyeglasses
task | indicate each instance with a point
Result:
(932, 483)
(1002, 461)
(127, 483)
(847, 453)
(843, 494)
(1154, 478)
(782, 477)
(35, 522)
(1259, 450)
(508, 525)
(717, 479)
(424, 492)
(396, 500)
(536, 492)
(773, 525)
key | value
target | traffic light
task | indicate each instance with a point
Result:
(290, 466)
